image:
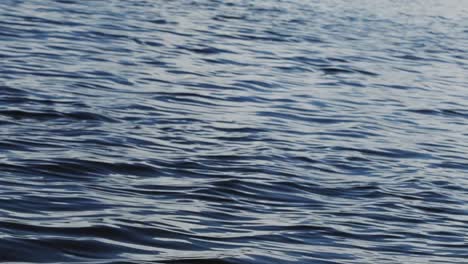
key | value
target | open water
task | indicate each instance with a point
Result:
(250, 131)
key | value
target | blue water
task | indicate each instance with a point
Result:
(250, 131)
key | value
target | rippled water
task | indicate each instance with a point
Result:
(250, 131)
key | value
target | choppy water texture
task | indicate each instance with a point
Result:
(262, 131)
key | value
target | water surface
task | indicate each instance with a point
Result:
(233, 131)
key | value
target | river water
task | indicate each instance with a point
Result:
(250, 131)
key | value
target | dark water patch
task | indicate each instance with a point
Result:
(5, 90)
(229, 17)
(227, 61)
(451, 165)
(84, 168)
(331, 70)
(400, 87)
(193, 95)
(309, 60)
(153, 44)
(389, 153)
(442, 112)
(411, 57)
(54, 115)
(294, 117)
(178, 72)
(265, 38)
(201, 261)
(162, 22)
(205, 50)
